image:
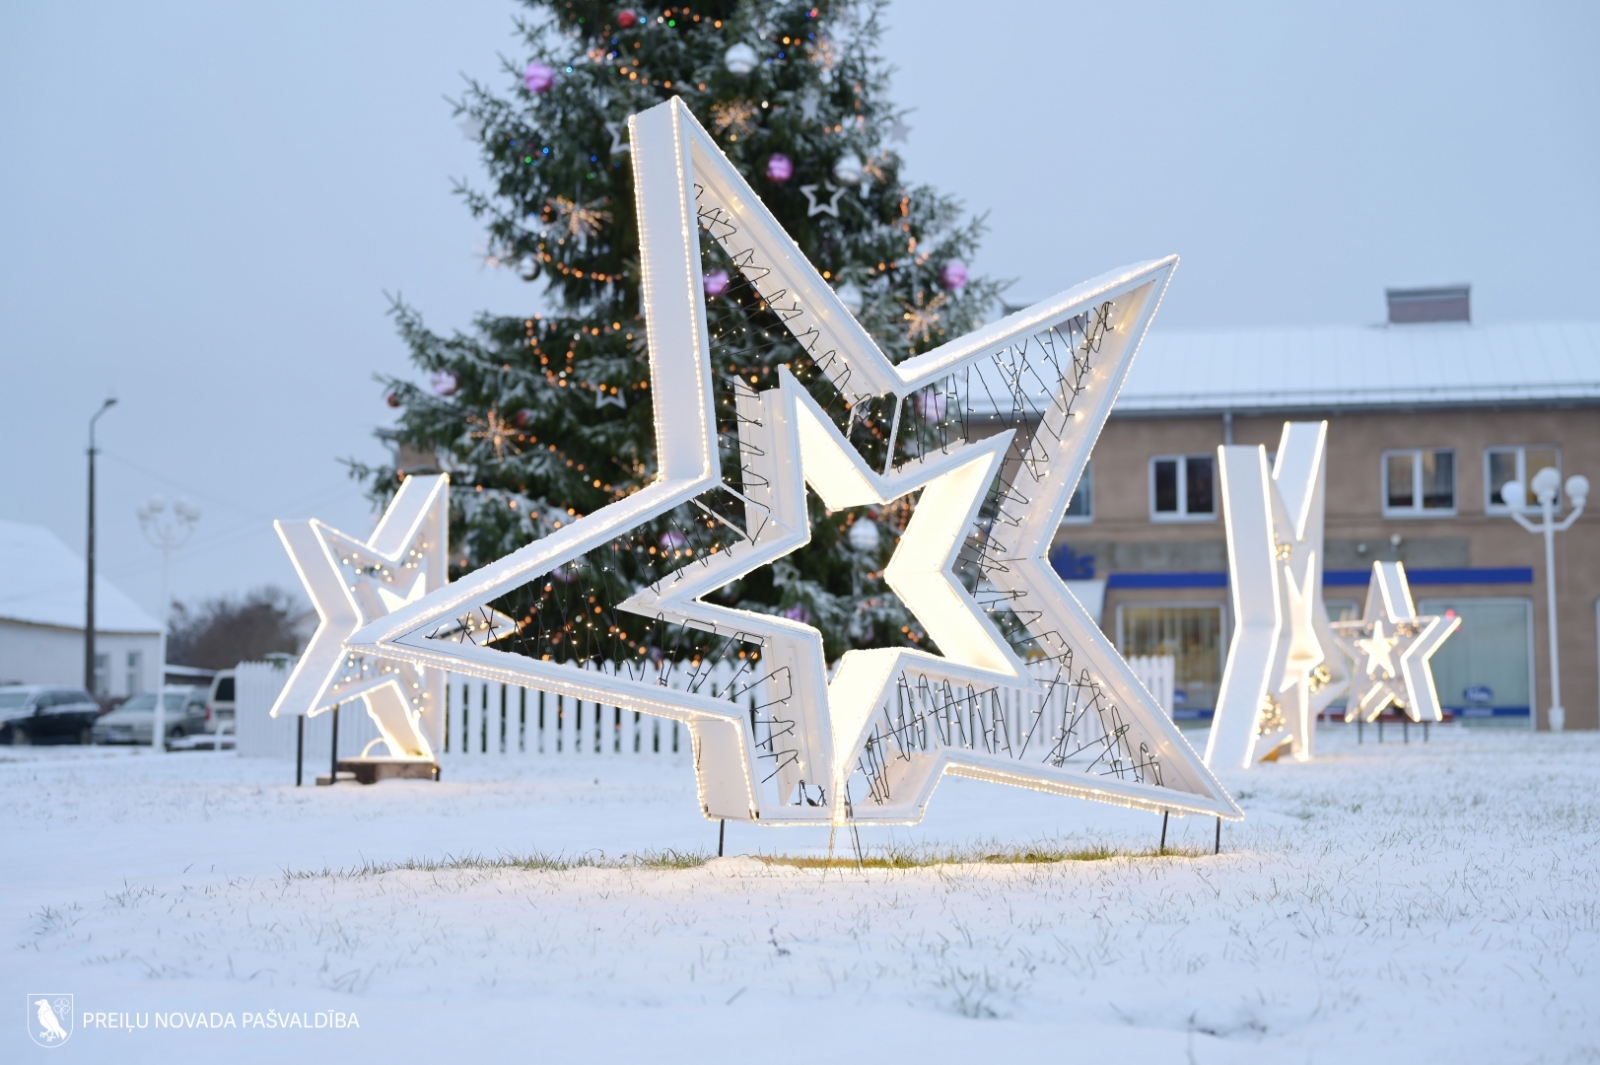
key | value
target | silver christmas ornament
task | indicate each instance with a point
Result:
(864, 535)
(847, 171)
(740, 60)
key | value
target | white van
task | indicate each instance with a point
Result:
(219, 704)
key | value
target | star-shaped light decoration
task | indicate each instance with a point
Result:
(1281, 671)
(735, 116)
(1391, 630)
(922, 319)
(994, 429)
(500, 434)
(829, 205)
(351, 582)
(578, 219)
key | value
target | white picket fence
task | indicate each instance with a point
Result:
(486, 718)
(1158, 673)
(256, 686)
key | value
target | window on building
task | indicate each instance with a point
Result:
(1183, 488)
(1191, 634)
(1080, 508)
(1419, 482)
(135, 672)
(1503, 464)
(102, 675)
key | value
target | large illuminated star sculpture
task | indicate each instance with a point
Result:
(351, 582)
(1281, 670)
(993, 431)
(1390, 649)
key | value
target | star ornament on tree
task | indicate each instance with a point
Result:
(1281, 671)
(351, 582)
(991, 431)
(1391, 648)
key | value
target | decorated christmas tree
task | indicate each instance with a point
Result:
(543, 418)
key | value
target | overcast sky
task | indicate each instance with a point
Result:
(202, 206)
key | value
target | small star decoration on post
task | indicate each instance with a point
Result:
(1391, 648)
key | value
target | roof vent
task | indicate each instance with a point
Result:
(1449, 303)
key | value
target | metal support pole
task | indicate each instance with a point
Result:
(1163, 848)
(722, 835)
(1405, 728)
(1424, 732)
(333, 746)
(299, 748)
(88, 604)
(1218, 848)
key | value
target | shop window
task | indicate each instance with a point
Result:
(1189, 633)
(1420, 482)
(1484, 671)
(1183, 488)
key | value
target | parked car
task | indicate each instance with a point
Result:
(135, 720)
(219, 704)
(33, 713)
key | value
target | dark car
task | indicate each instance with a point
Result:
(135, 720)
(37, 714)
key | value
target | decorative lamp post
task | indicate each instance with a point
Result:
(166, 529)
(88, 605)
(1546, 485)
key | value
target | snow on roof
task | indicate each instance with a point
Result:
(1446, 364)
(42, 583)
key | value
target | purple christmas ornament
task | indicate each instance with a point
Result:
(445, 382)
(538, 78)
(779, 168)
(799, 613)
(716, 283)
(954, 276)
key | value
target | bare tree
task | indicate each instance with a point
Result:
(220, 633)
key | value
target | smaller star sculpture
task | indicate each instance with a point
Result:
(1391, 648)
(351, 582)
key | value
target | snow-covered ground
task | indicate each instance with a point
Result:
(1404, 903)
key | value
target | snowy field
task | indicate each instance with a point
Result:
(1398, 903)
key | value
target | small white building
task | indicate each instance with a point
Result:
(41, 619)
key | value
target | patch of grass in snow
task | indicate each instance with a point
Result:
(664, 859)
(887, 858)
(911, 858)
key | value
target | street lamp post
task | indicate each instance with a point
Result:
(88, 611)
(166, 530)
(1546, 484)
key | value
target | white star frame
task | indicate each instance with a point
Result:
(1026, 690)
(1281, 670)
(1391, 648)
(352, 582)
